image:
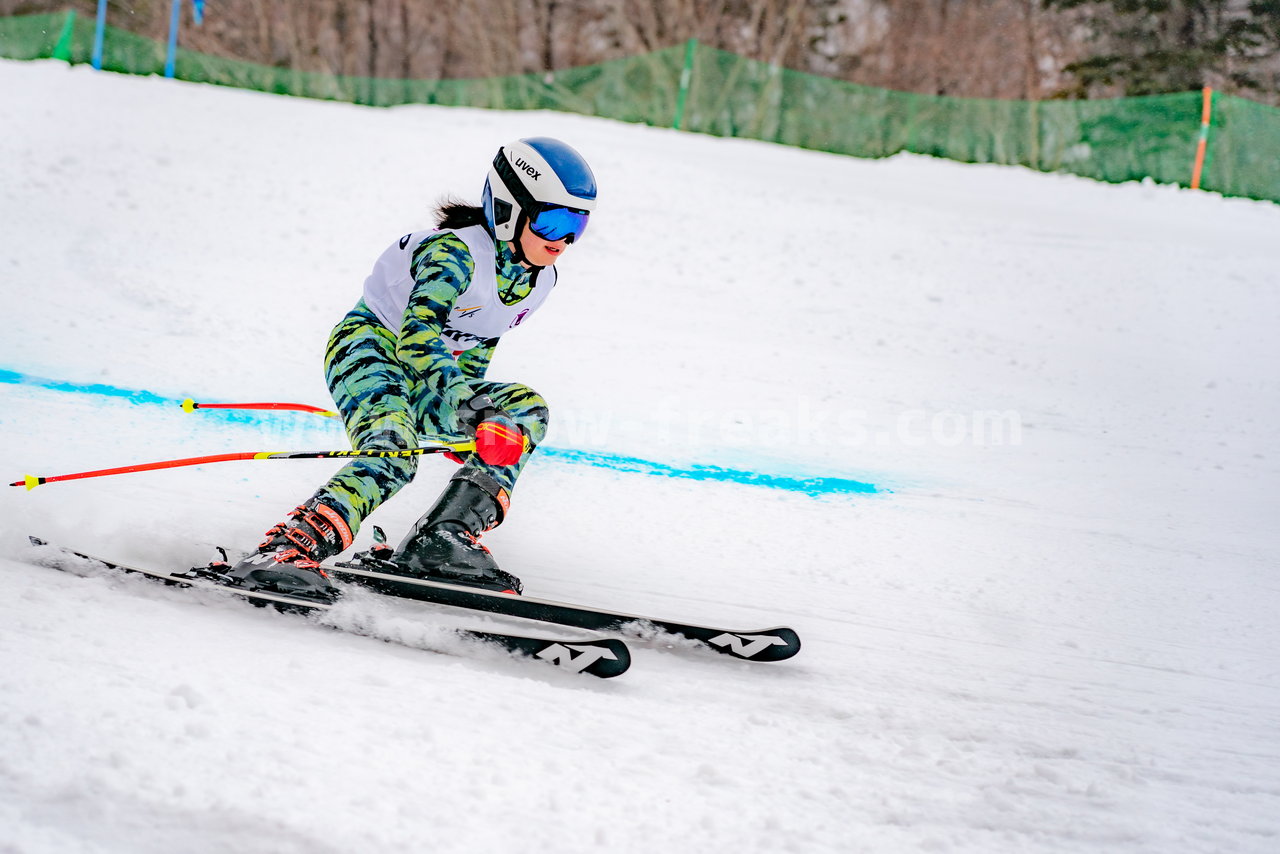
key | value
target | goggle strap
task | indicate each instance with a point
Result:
(523, 197)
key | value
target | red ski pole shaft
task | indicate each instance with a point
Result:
(190, 405)
(31, 481)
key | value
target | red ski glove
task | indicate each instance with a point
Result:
(499, 441)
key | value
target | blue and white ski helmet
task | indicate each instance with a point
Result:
(534, 173)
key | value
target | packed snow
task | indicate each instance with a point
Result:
(1051, 627)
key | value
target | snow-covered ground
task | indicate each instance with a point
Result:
(1052, 628)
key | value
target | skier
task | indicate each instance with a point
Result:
(407, 364)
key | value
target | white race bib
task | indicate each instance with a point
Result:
(478, 314)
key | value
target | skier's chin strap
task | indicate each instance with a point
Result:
(517, 251)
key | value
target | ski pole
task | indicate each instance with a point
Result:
(190, 405)
(31, 481)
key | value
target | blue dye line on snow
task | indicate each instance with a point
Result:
(696, 471)
(134, 396)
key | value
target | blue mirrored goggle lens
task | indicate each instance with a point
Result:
(557, 223)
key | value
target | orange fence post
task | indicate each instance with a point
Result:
(1203, 144)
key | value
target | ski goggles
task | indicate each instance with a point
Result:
(556, 222)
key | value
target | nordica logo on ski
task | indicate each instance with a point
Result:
(745, 646)
(521, 163)
(575, 658)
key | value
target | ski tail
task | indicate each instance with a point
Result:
(604, 658)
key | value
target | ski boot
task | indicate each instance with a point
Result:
(288, 560)
(444, 545)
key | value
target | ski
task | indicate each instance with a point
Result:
(601, 657)
(776, 644)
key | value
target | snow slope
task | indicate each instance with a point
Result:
(1051, 628)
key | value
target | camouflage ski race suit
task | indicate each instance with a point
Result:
(400, 391)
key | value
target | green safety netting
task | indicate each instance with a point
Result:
(705, 90)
